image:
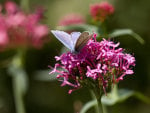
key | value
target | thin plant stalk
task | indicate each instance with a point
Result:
(100, 110)
(19, 81)
(96, 106)
(19, 102)
(104, 109)
(101, 107)
(98, 96)
(25, 5)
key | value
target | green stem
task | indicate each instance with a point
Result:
(104, 29)
(142, 97)
(104, 108)
(19, 80)
(114, 90)
(25, 5)
(99, 103)
(88, 105)
(101, 107)
(100, 110)
(17, 97)
(96, 106)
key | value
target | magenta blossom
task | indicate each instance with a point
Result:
(100, 11)
(97, 65)
(72, 19)
(18, 29)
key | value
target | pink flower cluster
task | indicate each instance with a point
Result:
(98, 64)
(100, 11)
(20, 29)
(72, 19)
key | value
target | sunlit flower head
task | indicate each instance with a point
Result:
(100, 11)
(71, 19)
(18, 29)
(98, 65)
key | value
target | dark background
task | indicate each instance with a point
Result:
(48, 96)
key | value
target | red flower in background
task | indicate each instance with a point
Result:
(72, 19)
(100, 11)
(20, 29)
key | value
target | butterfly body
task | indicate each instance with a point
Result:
(74, 41)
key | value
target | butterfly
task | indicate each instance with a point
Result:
(74, 41)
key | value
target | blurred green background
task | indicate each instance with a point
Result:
(48, 96)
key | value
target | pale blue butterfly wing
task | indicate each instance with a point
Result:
(64, 38)
(74, 41)
(75, 36)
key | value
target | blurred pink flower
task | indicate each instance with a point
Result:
(11, 7)
(21, 29)
(72, 19)
(15, 20)
(97, 65)
(3, 32)
(3, 38)
(100, 11)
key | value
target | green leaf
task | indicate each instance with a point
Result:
(88, 105)
(121, 96)
(80, 27)
(142, 97)
(114, 97)
(121, 32)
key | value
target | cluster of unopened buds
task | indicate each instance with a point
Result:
(18, 28)
(100, 11)
(97, 65)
